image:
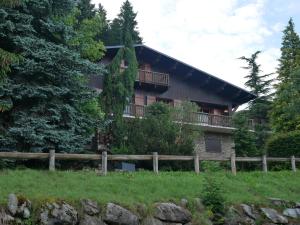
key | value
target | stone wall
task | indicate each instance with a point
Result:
(227, 145)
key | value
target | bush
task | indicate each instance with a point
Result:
(210, 166)
(284, 144)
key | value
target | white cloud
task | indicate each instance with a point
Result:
(210, 35)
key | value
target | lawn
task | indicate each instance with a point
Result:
(146, 187)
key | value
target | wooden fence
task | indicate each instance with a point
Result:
(104, 157)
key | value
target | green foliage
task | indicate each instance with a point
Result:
(48, 88)
(244, 139)
(6, 59)
(212, 197)
(125, 22)
(87, 10)
(284, 144)
(211, 166)
(258, 109)
(284, 114)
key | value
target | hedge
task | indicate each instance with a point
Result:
(284, 144)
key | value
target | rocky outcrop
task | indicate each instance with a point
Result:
(292, 212)
(91, 220)
(116, 214)
(19, 206)
(172, 213)
(5, 218)
(90, 207)
(274, 216)
(58, 214)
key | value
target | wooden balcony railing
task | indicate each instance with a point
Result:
(194, 118)
(151, 77)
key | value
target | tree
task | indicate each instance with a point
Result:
(290, 52)
(125, 22)
(284, 118)
(244, 139)
(87, 10)
(259, 107)
(51, 103)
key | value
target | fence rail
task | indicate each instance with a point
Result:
(104, 157)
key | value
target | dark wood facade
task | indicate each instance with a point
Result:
(163, 78)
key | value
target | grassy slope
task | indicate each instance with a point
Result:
(145, 187)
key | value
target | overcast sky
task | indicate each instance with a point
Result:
(212, 34)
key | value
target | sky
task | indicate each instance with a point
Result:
(212, 34)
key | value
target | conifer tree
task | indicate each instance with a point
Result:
(51, 103)
(282, 118)
(126, 21)
(260, 106)
(119, 84)
(87, 10)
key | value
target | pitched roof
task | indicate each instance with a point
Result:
(236, 94)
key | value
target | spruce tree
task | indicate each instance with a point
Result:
(51, 103)
(126, 21)
(259, 107)
(282, 119)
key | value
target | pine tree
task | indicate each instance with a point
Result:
(51, 103)
(126, 21)
(259, 107)
(282, 118)
(87, 10)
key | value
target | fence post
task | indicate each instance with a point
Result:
(293, 161)
(52, 160)
(104, 163)
(233, 166)
(264, 163)
(196, 163)
(155, 162)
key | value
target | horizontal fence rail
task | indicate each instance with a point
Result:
(104, 157)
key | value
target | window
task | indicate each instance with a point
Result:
(213, 143)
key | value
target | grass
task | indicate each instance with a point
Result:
(146, 187)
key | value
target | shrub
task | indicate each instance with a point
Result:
(210, 166)
(213, 197)
(284, 144)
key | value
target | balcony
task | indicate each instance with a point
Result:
(199, 118)
(153, 78)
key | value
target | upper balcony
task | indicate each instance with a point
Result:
(152, 78)
(198, 118)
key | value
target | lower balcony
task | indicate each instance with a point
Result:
(198, 118)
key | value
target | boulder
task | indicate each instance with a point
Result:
(293, 213)
(274, 216)
(5, 218)
(152, 221)
(248, 211)
(90, 207)
(278, 202)
(116, 214)
(12, 204)
(169, 212)
(91, 220)
(58, 214)
(19, 207)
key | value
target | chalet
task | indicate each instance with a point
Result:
(164, 78)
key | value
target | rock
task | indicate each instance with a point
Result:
(90, 207)
(184, 202)
(91, 220)
(248, 211)
(169, 212)
(293, 213)
(278, 201)
(118, 215)
(234, 217)
(297, 205)
(5, 218)
(58, 214)
(12, 204)
(274, 216)
(151, 221)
